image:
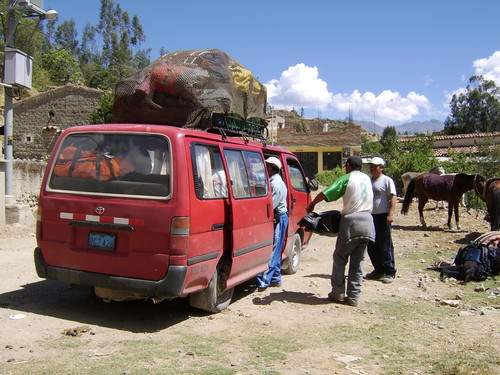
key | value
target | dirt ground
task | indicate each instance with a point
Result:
(34, 311)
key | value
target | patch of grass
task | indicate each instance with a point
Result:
(470, 361)
(275, 347)
(402, 337)
(198, 355)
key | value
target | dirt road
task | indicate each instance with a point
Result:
(407, 327)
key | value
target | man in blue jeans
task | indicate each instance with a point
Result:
(272, 277)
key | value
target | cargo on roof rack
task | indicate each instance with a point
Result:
(201, 89)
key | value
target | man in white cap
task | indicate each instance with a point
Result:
(381, 252)
(272, 277)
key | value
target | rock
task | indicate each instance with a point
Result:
(480, 288)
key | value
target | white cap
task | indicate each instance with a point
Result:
(274, 160)
(378, 161)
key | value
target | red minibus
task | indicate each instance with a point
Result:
(155, 212)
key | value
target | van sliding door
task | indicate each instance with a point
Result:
(251, 213)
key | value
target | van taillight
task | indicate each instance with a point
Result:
(179, 235)
(39, 223)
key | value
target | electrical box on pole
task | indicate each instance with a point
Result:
(18, 68)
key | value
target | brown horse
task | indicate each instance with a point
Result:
(448, 188)
(492, 198)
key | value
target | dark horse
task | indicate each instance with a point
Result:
(492, 199)
(448, 188)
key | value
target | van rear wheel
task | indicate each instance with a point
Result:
(291, 263)
(216, 297)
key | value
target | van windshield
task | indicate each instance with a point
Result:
(111, 163)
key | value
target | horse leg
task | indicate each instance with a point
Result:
(454, 206)
(421, 203)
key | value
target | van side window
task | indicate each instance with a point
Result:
(247, 173)
(296, 176)
(210, 178)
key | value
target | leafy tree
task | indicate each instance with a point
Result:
(389, 141)
(413, 155)
(102, 115)
(114, 44)
(61, 66)
(476, 110)
(369, 147)
(66, 37)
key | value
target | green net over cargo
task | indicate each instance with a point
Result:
(198, 89)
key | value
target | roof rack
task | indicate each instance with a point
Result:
(235, 125)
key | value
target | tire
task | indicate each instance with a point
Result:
(215, 297)
(291, 264)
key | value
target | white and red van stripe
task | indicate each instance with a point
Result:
(102, 219)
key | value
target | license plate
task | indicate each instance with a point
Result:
(102, 241)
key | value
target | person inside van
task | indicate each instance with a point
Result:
(272, 277)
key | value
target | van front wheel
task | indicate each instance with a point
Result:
(291, 264)
(216, 297)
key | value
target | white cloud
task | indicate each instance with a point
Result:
(489, 67)
(386, 108)
(300, 86)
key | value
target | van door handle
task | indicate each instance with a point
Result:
(218, 226)
(268, 211)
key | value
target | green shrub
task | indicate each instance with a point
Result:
(326, 178)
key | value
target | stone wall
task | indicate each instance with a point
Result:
(39, 119)
(348, 135)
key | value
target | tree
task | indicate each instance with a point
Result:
(66, 37)
(115, 45)
(61, 66)
(102, 115)
(389, 141)
(476, 110)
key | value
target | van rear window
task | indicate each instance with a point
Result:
(111, 163)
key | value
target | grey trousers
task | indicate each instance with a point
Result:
(354, 254)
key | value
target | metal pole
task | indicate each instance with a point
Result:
(9, 111)
(9, 115)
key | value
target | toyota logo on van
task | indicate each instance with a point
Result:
(99, 210)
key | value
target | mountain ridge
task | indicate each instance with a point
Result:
(412, 127)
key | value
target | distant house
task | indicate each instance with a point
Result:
(274, 122)
(320, 151)
(464, 143)
(461, 143)
(38, 120)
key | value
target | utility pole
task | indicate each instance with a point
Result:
(14, 62)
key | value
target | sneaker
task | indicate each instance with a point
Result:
(387, 279)
(374, 275)
(335, 297)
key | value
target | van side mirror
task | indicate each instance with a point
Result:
(312, 184)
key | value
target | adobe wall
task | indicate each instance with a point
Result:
(58, 109)
(349, 135)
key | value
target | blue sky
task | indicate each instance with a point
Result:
(391, 61)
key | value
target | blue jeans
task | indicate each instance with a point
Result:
(273, 273)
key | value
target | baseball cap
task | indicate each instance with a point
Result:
(378, 161)
(354, 161)
(274, 160)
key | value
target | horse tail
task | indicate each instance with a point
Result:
(495, 210)
(410, 192)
